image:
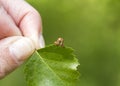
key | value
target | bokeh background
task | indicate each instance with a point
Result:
(92, 28)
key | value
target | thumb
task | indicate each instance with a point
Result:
(13, 51)
(22, 48)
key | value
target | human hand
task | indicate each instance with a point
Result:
(20, 34)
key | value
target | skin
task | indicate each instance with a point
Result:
(20, 34)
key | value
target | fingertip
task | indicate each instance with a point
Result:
(22, 49)
(31, 27)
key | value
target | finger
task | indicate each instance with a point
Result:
(7, 26)
(13, 53)
(26, 17)
(9, 40)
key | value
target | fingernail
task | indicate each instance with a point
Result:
(41, 41)
(22, 49)
(34, 39)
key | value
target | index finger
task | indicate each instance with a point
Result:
(26, 18)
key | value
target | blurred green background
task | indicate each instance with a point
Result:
(92, 28)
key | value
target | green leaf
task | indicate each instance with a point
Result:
(52, 66)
